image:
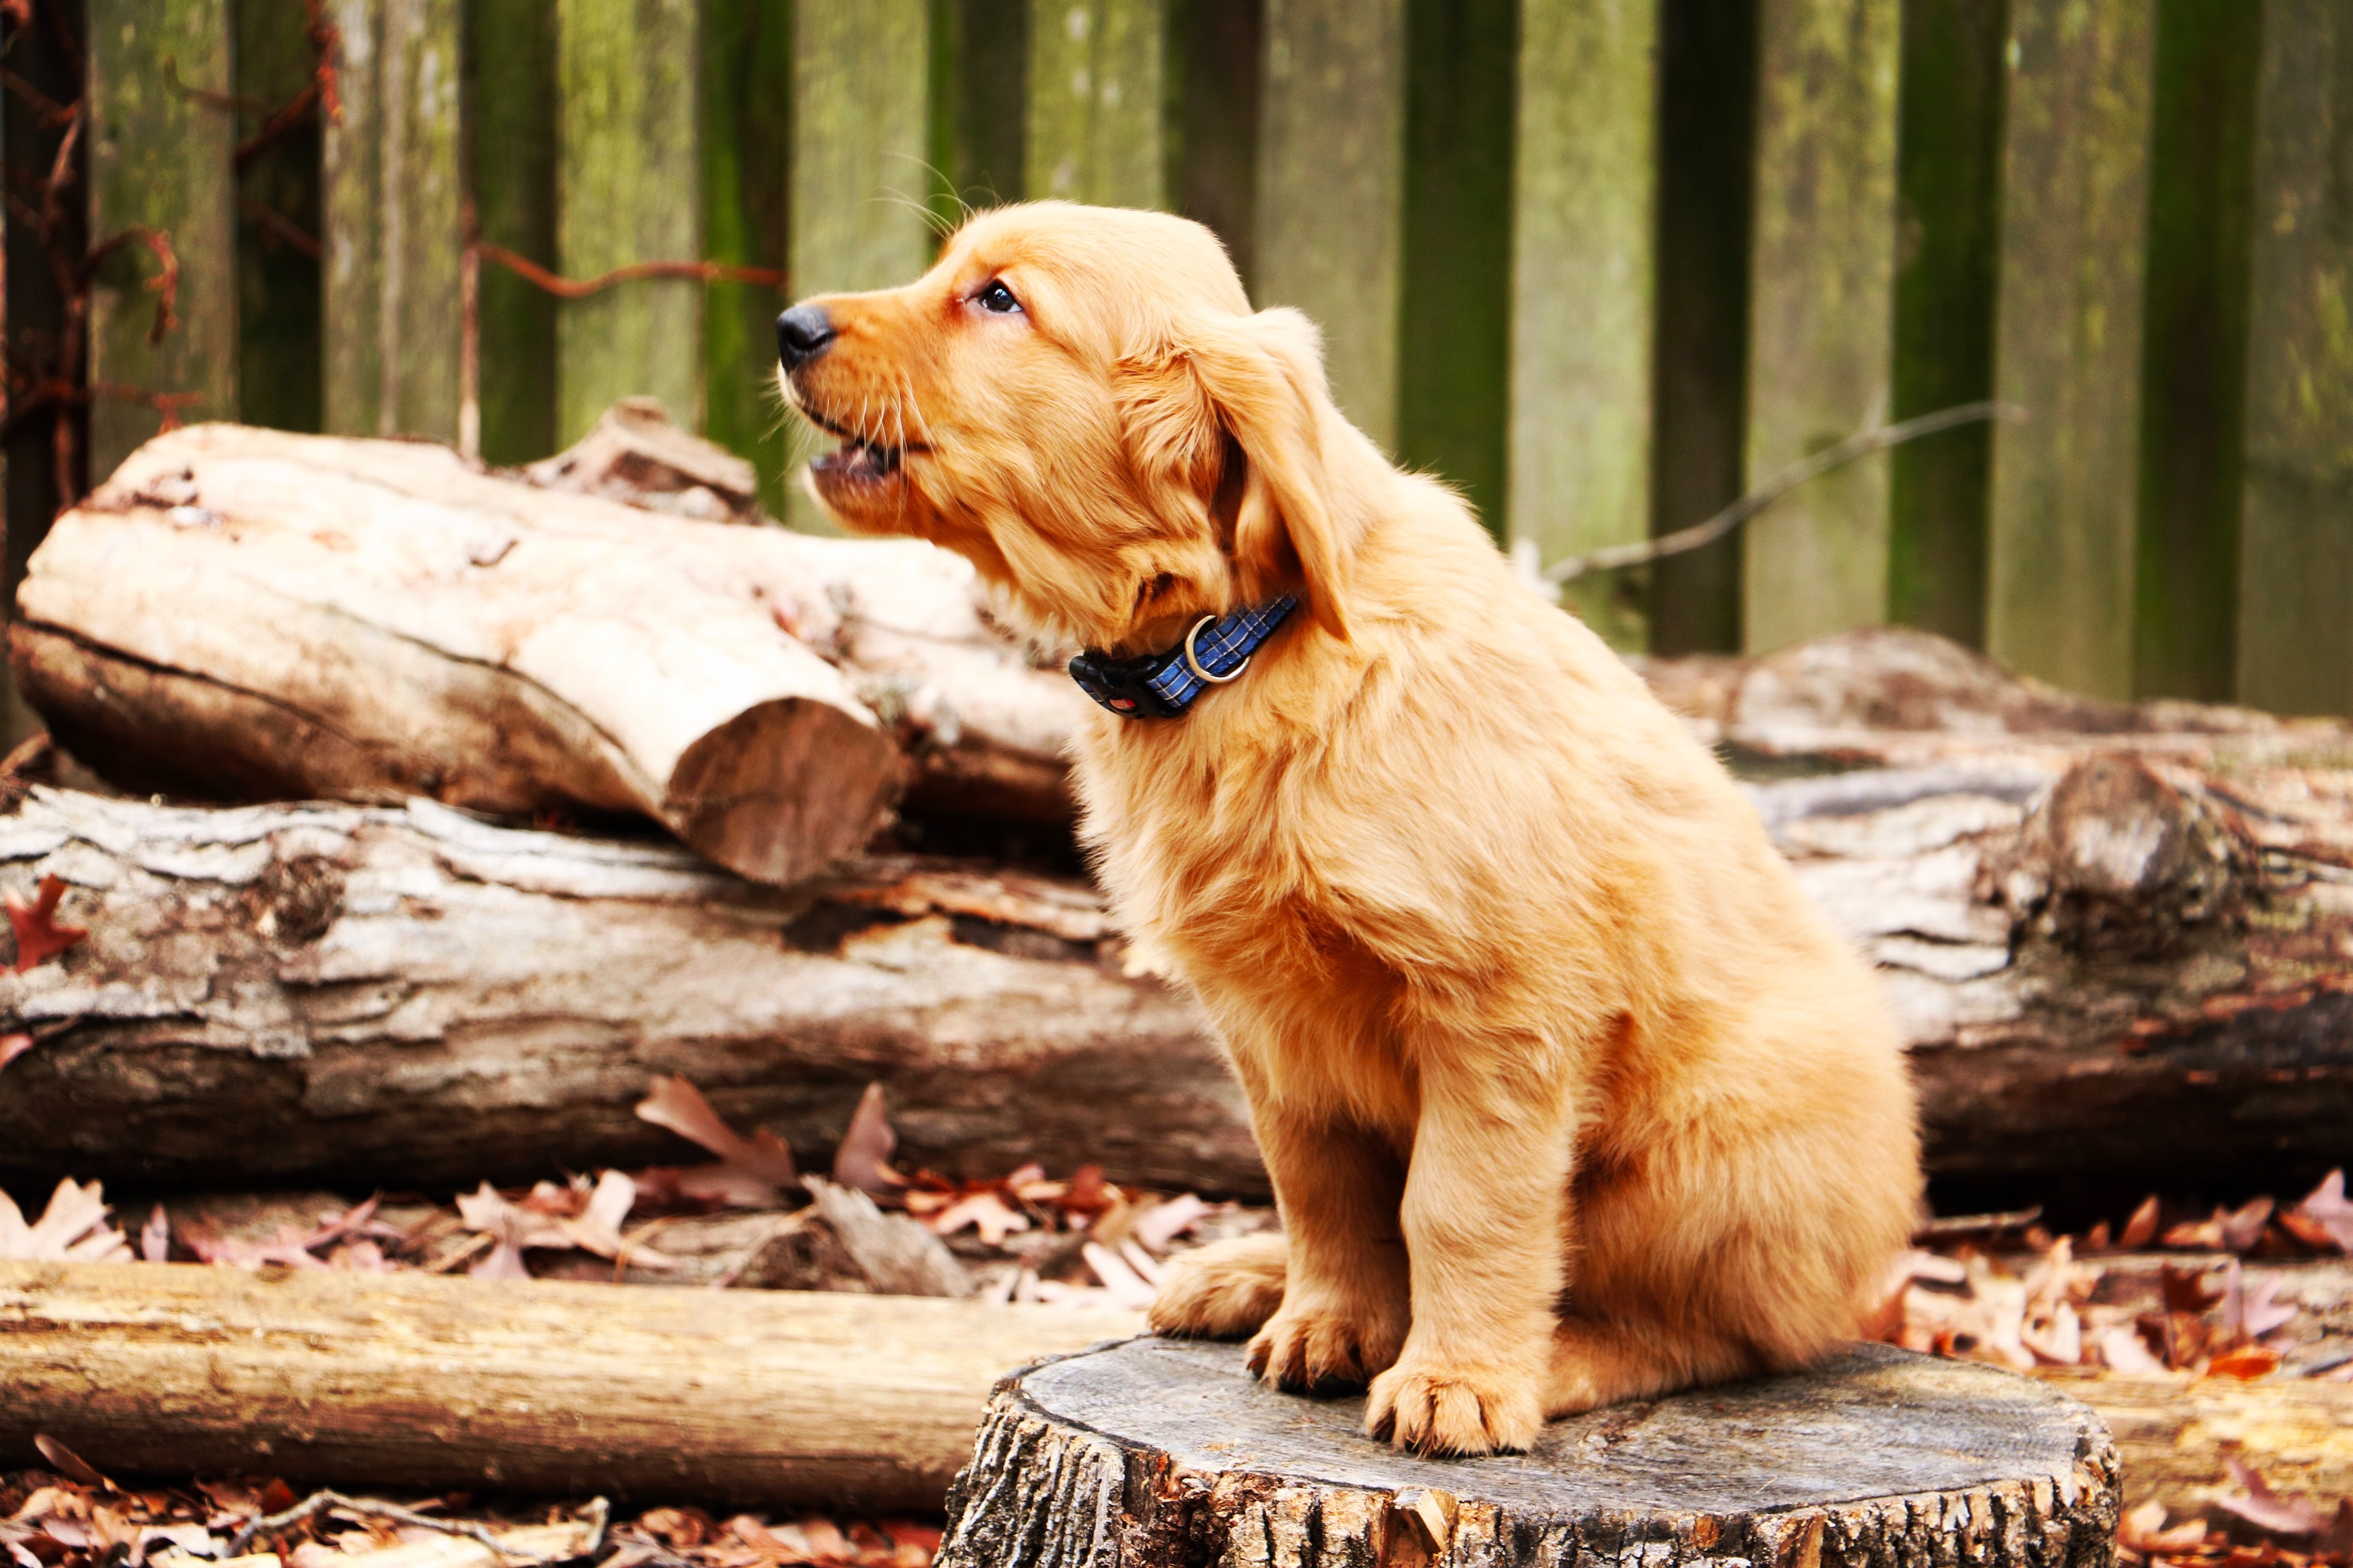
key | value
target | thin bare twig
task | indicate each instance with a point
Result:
(278, 224)
(1860, 445)
(164, 285)
(539, 276)
(319, 1502)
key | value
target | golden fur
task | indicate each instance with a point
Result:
(1568, 1094)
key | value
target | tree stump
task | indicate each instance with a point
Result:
(1162, 1452)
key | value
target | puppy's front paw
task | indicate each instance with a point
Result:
(1316, 1345)
(1223, 1290)
(1434, 1409)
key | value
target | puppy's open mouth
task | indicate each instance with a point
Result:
(856, 462)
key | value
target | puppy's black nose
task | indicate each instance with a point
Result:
(802, 335)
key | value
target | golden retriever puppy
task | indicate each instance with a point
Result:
(1568, 1093)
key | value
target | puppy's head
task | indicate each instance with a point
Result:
(1081, 401)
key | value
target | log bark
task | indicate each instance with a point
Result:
(1160, 1452)
(2120, 972)
(413, 996)
(241, 613)
(2177, 1435)
(757, 1398)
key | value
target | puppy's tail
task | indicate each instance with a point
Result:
(1225, 1291)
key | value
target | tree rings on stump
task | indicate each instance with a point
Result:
(1159, 1453)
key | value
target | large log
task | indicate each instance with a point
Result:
(243, 614)
(1155, 1454)
(2122, 971)
(753, 1397)
(410, 995)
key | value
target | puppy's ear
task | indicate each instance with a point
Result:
(1262, 377)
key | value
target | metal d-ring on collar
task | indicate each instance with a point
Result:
(1193, 660)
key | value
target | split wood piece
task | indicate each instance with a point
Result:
(365, 995)
(636, 455)
(243, 614)
(1162, 1452)
(756, 1398)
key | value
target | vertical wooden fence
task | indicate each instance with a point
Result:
(1602, 263)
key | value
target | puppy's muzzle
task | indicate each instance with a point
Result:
(803, 333)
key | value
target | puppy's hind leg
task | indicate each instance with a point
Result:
(1597, 1362)
(1224, 1290)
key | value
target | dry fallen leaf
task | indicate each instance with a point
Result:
(2267, 1510)
(39, 937)
(2140, 1228)
(14, 1046)
(2126, 1352)
(2327, 1208)
(751, 1173)
(2142, 1530)
(863, 1159)
(989, 1214)
(73, 1229)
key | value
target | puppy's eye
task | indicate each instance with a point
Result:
(996, 298)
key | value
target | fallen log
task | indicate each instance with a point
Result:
(758, 1398)
(413, 996)
(242, 613)
(1158, 1453)
(2179, 1434)
(2131, 973)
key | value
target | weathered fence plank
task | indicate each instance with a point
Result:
(627, 191)
(747, 73)
(1584, 193)
(858, 138)
(1218, 50)
(392, 193)
(160, 156)
(2296, 581)
(2194, 349)
(1097, 93)
(1822, 279)
(1330, 189)
(979, 109)
(278, 268)
(1707, 96)
(1948, 223)
(510, 112)
(2067, 342)
(1454, 334)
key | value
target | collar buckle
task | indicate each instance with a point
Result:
(1163, 685)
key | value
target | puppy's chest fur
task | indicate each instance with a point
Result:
(1220, 881)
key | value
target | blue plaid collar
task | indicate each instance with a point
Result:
(1163, 685)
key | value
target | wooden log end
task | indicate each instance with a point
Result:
(1163, 1452)
(783, 789)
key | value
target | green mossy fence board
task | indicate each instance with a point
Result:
(979, 112)
(1707, 88)
(1821, 278)
(1331, 190)
(1947, 255)
(2067, 342)
(860, 124)
(511, 126)
(1217, 57)
(2296, 581)
(278, 280)
(393, 184)
(627, 190)
(1454, 326)
(1096, 100)
(1585, 194)
(2194, 354)
(747, 74)
(161, 157)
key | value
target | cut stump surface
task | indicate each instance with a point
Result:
(1159, 1452)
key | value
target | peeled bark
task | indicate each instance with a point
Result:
(1157, 1452)
(757, 1398)
(245, 614)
